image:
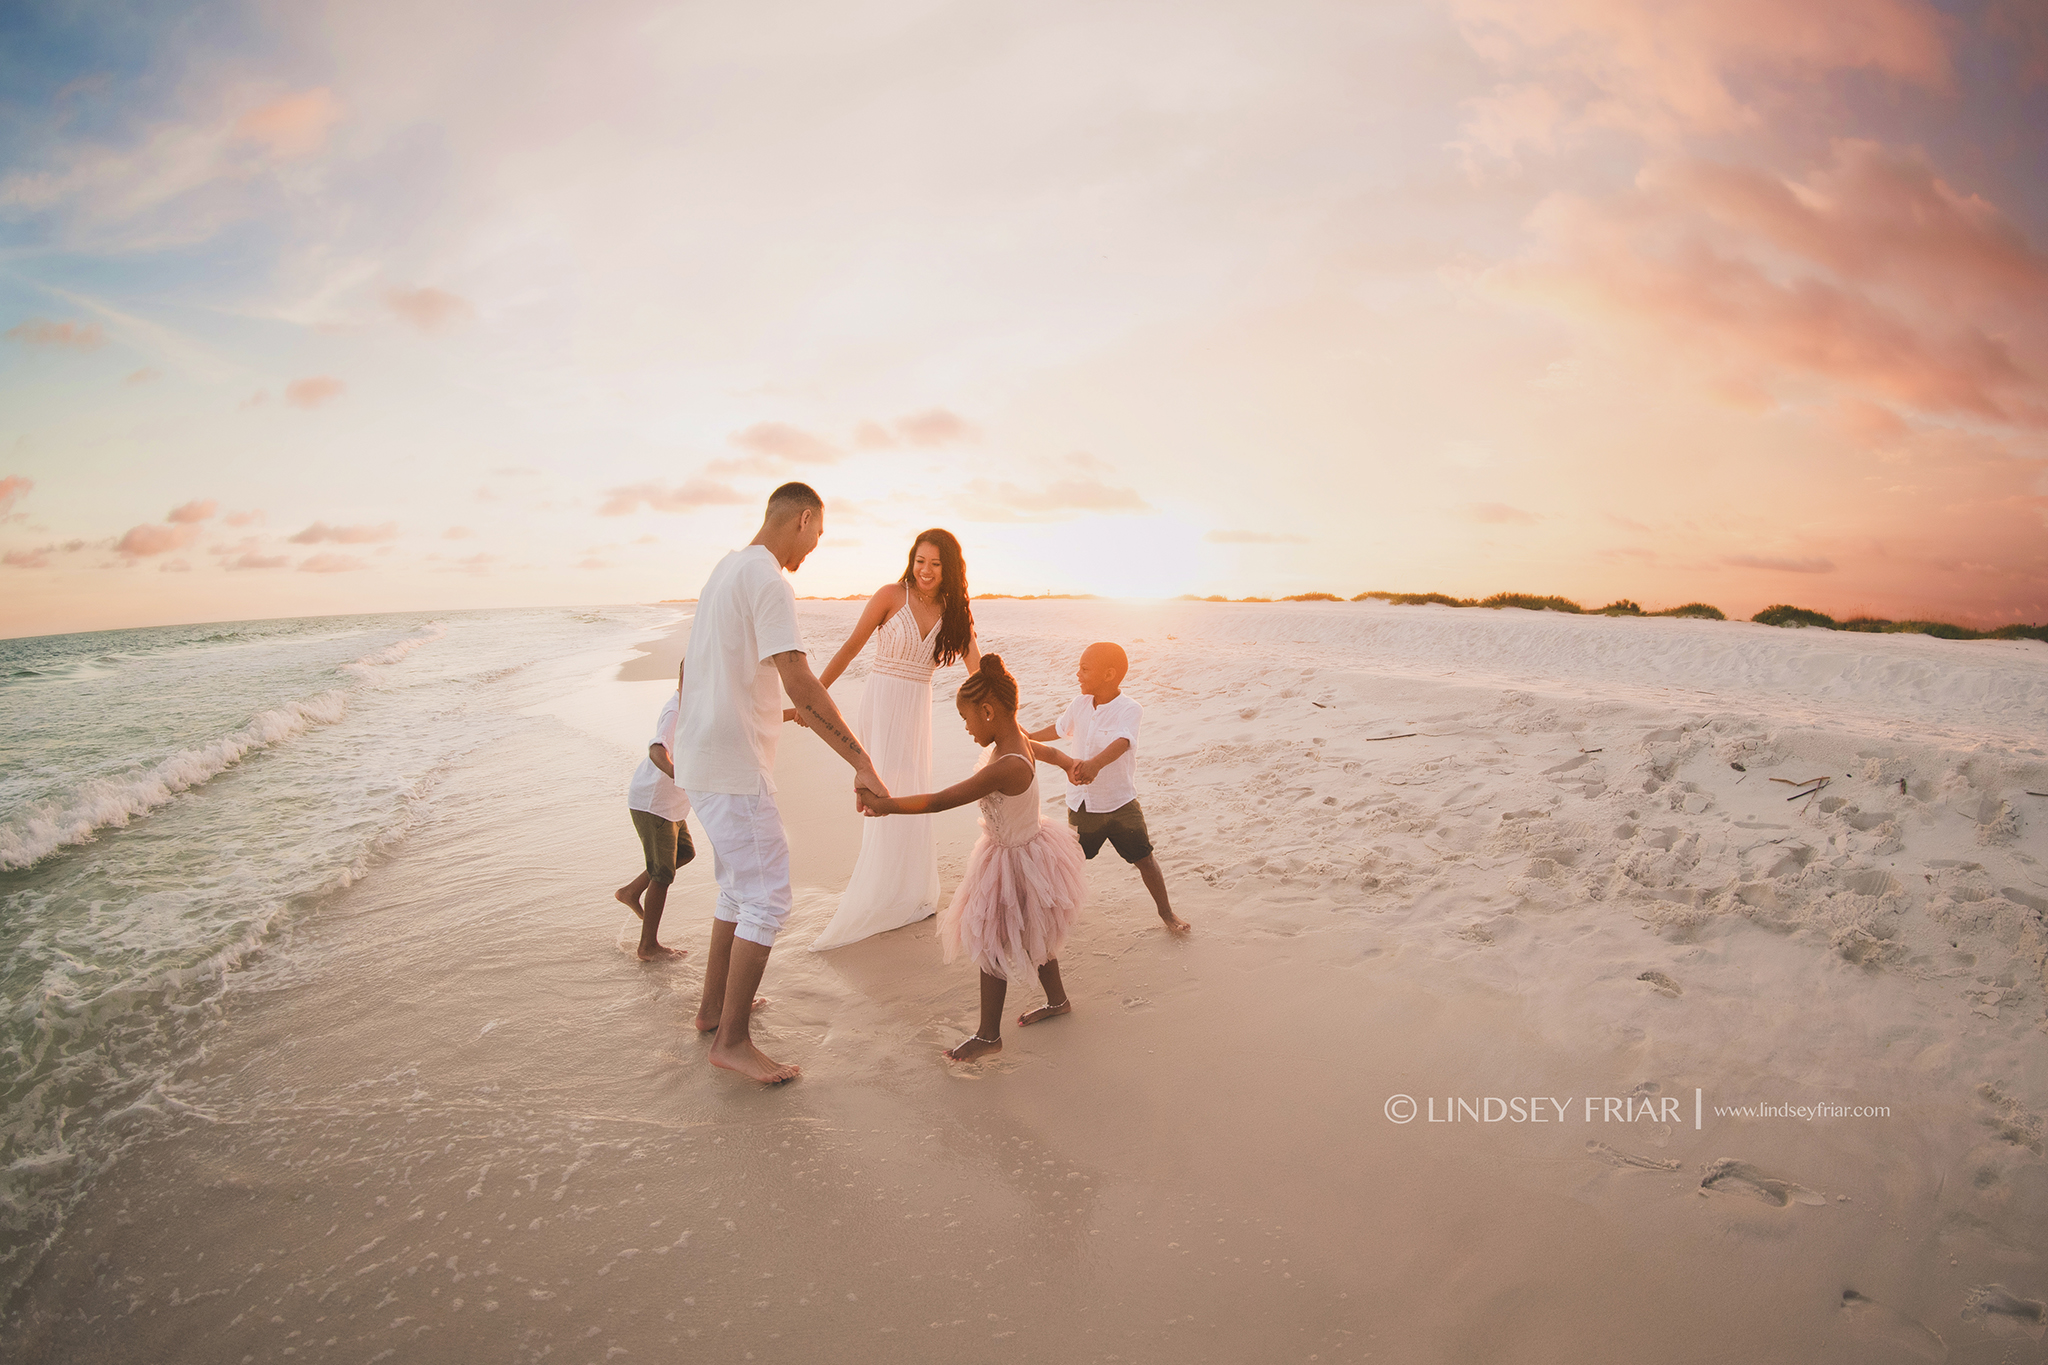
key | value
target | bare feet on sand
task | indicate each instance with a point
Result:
(1045, 1012)
(754, 1064)
(1174, 923)
(659, 953)
(711, 1026)
(625, 897)
(975, 1048)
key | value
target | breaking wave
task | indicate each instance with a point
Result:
(47, 826)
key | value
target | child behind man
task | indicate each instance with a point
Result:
(659, 810)
(1102, 802)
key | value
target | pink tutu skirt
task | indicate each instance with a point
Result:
(1016, 903)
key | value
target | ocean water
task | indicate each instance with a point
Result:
(175, 801)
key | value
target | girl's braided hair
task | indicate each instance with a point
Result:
(992, 684)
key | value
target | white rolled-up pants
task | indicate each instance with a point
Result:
(751, 858)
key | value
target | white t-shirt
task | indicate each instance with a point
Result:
(1092, 729)
(653, 790)
(732, 695)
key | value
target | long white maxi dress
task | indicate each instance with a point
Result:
(896, 880)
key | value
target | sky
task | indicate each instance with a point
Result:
(315, 308)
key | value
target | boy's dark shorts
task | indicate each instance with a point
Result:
(1124, 827)
(666, 844)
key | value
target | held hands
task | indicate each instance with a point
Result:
(870, 795)
(1083, 772)
(790, 713)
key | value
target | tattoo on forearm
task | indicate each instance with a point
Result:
(824, 726)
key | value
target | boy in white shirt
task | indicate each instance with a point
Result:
(1102, 802)
(658, 808)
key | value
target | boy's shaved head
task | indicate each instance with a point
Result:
(1109, 656)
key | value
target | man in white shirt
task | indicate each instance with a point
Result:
(659, 810)
(1102, 802)
(745, 651)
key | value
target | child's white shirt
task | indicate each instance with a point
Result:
(653, 790)
(1092, 729)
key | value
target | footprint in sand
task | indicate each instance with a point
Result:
(1870, 1320)
(1614, 1156)
(1739, 1177)
(1663, 984)
(2003, 1313)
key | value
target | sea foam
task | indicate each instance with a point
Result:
(42, 829)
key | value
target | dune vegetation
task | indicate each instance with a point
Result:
(1778, 615)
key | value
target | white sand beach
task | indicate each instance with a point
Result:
(1551, 879)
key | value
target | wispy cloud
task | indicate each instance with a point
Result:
(311, 393)
(320, 532)
(785, 442)
(13, 488)
(253, 560)
(428, 309)
(200, 509)
(332, 563)
(71, 336)
(150, 538)
(684, 497)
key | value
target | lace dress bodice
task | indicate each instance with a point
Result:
(900, 652)
(1011, 821)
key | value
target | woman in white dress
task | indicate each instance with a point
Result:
(920, 622)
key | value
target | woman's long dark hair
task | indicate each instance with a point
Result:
(956, 622)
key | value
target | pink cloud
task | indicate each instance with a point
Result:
(331, 563)
(934, 427)
(12, 489)
(143, 376)
(311, 393)
(243, 518)
(38, 558)
(153, 539)
(427, 308)
(195, 511)
(457, 533)
(75, 336)
(685, 497)
(252, 560)
(296, 125)
(1661, 67)
(782, 441)
(593, 563)
(1869, 277)
(320, 531)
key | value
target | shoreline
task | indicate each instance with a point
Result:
(458, 1122)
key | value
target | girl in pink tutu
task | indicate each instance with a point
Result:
(1024, 881)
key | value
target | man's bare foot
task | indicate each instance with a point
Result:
(660, 953)
(975, 1048)
(760, 1003)
(1045, 1012)
(754, 1064)
(1173, 922)
(630, 902)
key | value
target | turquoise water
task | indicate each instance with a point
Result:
(173, 801)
